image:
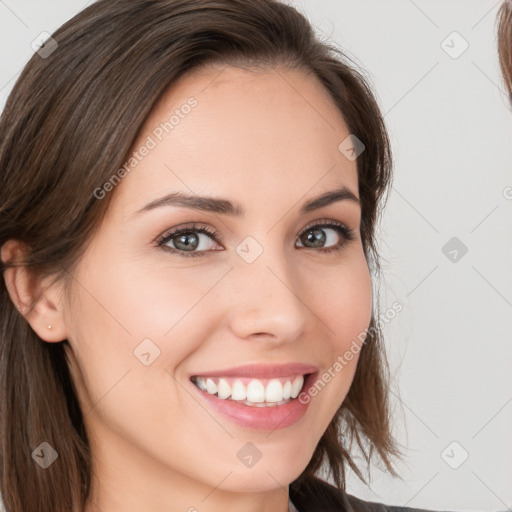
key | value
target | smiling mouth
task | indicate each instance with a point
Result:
(252, 391)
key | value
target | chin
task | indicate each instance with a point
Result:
(262, 477)
(257, 481)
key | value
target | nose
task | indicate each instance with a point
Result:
(268, 301)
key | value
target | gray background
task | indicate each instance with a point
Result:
(451, 131)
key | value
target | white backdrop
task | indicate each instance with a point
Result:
(446, 233)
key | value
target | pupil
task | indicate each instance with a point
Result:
(318, 235)
(182, 240)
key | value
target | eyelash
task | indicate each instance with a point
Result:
(343, 230)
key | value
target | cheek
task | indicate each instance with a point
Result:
(135, 300)
(134, 323)
(344, 303)
(128, 331)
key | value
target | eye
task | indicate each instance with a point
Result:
(188, 240)
(327, 233)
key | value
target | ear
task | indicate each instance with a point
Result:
(35, 298)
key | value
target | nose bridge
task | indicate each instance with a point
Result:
(267, 297)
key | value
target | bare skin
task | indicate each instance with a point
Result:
(267, 140)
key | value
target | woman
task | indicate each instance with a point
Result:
(190, 192)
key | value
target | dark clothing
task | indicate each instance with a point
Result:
(324, 497)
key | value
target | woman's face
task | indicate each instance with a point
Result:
(144, 318)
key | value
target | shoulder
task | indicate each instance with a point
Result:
(321, 496)
(370, 506)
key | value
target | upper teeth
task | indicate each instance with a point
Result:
(255, 390)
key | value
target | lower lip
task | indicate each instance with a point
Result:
(261, 418)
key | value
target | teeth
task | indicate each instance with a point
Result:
(274, 391)
(224, 389)
(297, 386)
(200, 384)
(211, 387)
(287, 389)
(238, 391)
(255, 393)
(264, 404)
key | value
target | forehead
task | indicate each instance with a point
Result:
(245, 132)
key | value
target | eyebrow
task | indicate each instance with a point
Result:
(226, 207)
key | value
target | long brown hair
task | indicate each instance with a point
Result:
(504, 20)
(68, 125)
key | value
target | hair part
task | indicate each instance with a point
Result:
(68, 125)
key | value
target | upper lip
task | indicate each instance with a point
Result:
(262, 371)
